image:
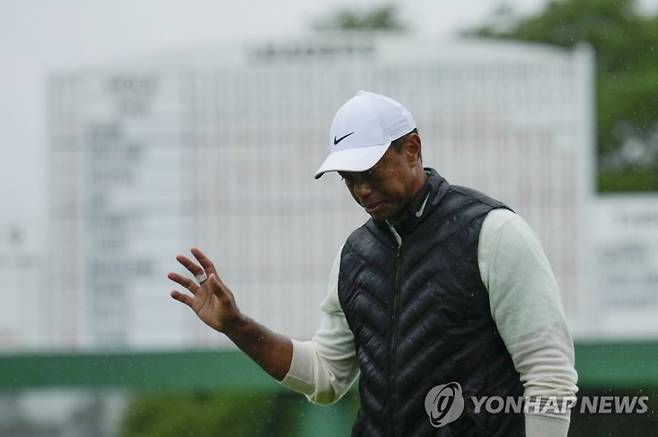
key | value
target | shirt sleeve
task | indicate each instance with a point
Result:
(324, 368)
(526, 307)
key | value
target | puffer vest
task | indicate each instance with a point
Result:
(421, 318)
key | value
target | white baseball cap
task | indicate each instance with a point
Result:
(362, 131)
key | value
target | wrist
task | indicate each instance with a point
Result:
(234, 325)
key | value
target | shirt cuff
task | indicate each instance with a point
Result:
(300, 375)
(546, 426)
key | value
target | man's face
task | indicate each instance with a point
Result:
(385, 189)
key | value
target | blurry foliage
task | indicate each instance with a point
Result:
(626, 44)
(208, 414)
(245, 414)
(628, 178)
(379, 18)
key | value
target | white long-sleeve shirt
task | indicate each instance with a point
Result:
(525, 305)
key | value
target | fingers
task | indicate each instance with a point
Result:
(185, 282)
(207, 266)
(184, 298)
(191, 266)
(205, 262)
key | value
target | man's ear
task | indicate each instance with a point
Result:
(412, 148)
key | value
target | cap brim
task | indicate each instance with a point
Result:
(360, 159)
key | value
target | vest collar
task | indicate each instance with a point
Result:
(426, 200)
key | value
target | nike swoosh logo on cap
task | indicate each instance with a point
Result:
(419, 213)
(336, 141)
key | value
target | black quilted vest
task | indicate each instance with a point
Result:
(421, 317)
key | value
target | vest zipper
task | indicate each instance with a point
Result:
(394, 334)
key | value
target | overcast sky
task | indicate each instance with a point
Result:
(41, 37)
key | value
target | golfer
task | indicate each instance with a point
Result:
(441, 300)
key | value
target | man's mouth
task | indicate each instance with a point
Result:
(372, 206)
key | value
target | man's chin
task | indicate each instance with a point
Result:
(384, 214)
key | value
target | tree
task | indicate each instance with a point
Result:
(379, 18)
(626, 45)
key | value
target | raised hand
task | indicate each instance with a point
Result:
(211, 300)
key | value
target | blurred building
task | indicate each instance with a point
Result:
(217, 148)
(623, 299)
(21, 277)
(61, 413)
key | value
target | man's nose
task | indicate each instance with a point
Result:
(362, 189)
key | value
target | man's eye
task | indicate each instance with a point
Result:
(371, 174)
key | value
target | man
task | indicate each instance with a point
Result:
(442, 300)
